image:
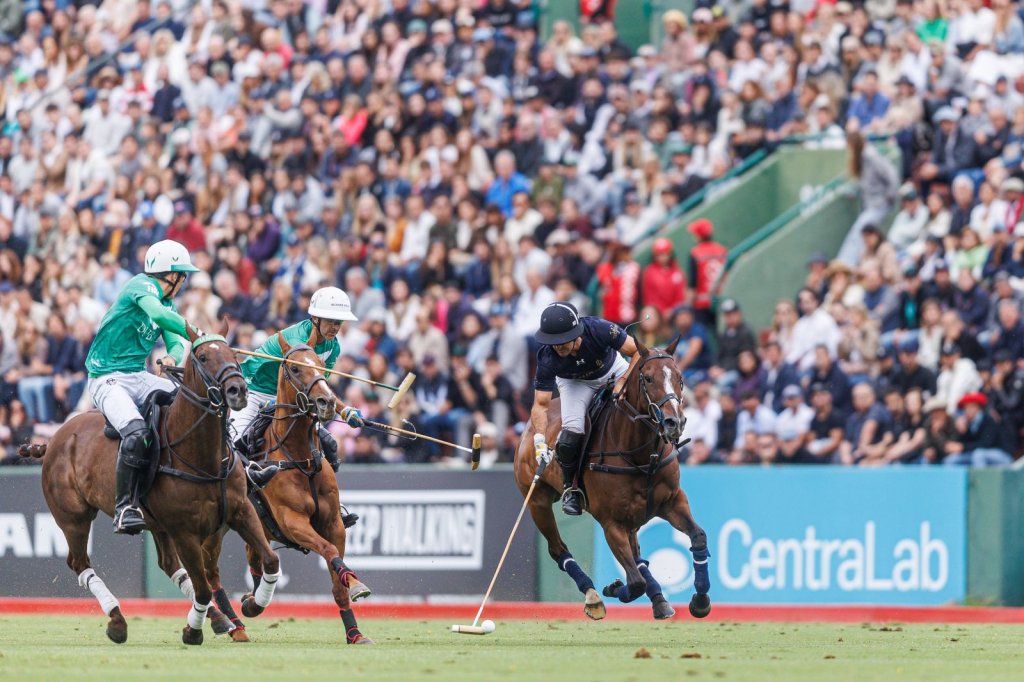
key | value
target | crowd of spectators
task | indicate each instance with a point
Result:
(455, 171)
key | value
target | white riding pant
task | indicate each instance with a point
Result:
(577, 394)
(241, 419)
(119, 395)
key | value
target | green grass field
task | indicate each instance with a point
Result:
(58, 648)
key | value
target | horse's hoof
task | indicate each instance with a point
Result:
(594, 607)
(612, 590)
(190, 636)
(220, 623)
(700, 605)
(361, 639)
(239, 635)
(662, 609)
(250, 609)
(358, 590)
(117, 627)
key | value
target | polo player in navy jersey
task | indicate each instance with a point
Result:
(579, 355)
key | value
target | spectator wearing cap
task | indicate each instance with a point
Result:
(677, 45)
(735, 337)
(793, 426)
(1000, 254)
(958, 376)
(908, 225)
(979, 441)
(619, 279)
(878, 185)
(664, 284)
(911, 375)
(693, 351)
(941, 286)
(953, 150)
(706, 267)
(825, 429)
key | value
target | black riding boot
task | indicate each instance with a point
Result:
(329, 447)
(132, 461)
(567, 449)
(257, 474)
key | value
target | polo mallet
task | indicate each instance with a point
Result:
(399, 390)
(473, 451)
(488, 626)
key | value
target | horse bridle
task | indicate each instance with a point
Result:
(302, 401)
(213, 402)
(655, 417)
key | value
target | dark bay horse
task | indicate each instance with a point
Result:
(197, 494)
(302, 499)
(632, 476)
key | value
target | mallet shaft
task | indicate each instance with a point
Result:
(413, 434)
(329, 371)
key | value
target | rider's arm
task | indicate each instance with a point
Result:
(629, 347)
(539, 412)
(172, 324)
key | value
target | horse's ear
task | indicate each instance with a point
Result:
(191, 332)
(671, 348)
(285, 346)
(644, 350)
(224, 327)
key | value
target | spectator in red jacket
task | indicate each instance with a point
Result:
(707, 265)
(619, 278)
(185, 229)
(664, 284)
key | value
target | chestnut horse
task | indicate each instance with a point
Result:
(302, 499)
(632, 476)
(198, 491)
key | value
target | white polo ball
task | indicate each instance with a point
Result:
(488, 626)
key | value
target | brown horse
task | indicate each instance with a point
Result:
(302, 499)
(197, 494)
(632, 476)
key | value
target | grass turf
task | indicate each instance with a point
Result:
(62, 648)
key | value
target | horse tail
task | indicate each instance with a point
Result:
(34, 451)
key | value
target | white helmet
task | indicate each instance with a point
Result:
(331, 303)
(168, 256)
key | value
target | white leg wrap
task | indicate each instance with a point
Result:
(265, 592)
(184, 583)
(89, 579)
(196, 615)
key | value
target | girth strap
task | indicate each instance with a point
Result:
(634, 470)
(259, 503)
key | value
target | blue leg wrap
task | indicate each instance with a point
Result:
(569, 565)
(653, 586)
(701, 581)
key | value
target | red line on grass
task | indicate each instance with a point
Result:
(178, 608)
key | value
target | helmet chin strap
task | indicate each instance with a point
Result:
(166, 277)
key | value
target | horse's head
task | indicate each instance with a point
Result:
(658, 389)
(214, 362)
(303, 385)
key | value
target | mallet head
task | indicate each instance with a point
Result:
(475, 459)
(403, 388)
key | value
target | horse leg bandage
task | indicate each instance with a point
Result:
(345, 574)
(184, 583)
(568, 564)
(701, 581)
(351, 628)
(196, 615)
(220, 597)
(265, 592)
(653, 587)
(94, 583)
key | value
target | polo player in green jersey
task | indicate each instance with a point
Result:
(329, 308)
(118, 381)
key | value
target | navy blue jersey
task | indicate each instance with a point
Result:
(601, 341)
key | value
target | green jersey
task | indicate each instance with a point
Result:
(261, 375)
(129, 330)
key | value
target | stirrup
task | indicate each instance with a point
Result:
(575, 494)
(129, 526)
(260, 475)
(348, 519)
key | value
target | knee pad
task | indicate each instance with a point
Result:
(327, 442)
(135, 444)
(567, 447)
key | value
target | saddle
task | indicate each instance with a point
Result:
(253, 440)
(151, 411)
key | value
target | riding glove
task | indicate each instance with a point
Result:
(352, 417)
